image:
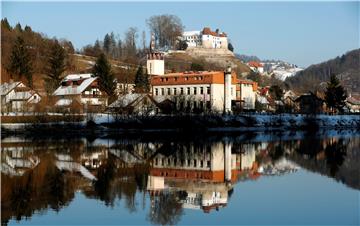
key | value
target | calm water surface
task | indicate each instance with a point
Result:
(256, 178)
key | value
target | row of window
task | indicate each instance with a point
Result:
(186, 78)
(181, 91)
(182, 162)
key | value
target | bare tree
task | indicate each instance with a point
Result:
(166, 28)
(131, 36)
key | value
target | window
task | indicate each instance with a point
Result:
(201, 90)
(181, 91)
(188, 162)
(194, 162)
(188, 90)
(156, 91)
(162, 91)
(162, 79)
(186, 78)
(174, 91)
(208, 164)
(208, 104)
(200, 78)
(166, 79)
(175, 79)
(208, 90)
(168, 91)
(195, 78)
(201, 163)
(195, 90)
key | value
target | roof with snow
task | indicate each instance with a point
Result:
(74, 77)
(77, 89)
(126, 100)
(5, 88)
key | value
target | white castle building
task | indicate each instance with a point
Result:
(206, 39)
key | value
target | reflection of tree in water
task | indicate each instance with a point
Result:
(335, 154)
(117, 182)
(165, 209)
(43, 187)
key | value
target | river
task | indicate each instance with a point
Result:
(257, 178)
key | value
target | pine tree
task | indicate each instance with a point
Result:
(5, 24)
(102, 69)
(107, 43)
(20, 61)
(56, 66)
(97, 48)
(335, 95)
(141, 81)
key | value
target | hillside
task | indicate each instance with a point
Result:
(210, 59)
(345, 67)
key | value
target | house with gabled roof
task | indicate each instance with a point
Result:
(82, 90)
(17, 97)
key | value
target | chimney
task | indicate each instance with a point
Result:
(227, 90)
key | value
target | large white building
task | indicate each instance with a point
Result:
(206, 39)
(216, 91)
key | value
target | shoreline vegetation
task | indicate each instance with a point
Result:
(97, 123)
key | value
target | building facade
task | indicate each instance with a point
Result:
(206, 39)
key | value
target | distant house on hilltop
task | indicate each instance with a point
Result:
(256, 67)
(81, 90)
(206, 39)
(16, 97)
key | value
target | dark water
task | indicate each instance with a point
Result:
(168, 179)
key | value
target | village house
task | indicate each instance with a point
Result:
(206, 39)
(16, 97)
(309, 103)
(197, 91)
(134, 104)
(256, 67)
(81, 91)
(353, 104)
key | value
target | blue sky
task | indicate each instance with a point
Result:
(303, 33)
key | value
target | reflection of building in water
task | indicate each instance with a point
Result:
(95, 159)
(214, 163)
(17, 162)
(204, 174)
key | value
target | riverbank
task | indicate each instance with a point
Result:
(245, 122)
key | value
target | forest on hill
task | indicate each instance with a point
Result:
(314, 78)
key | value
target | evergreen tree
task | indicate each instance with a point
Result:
(97, 48)
(18, 27)
(56, 66)
(20, 61)
(5, 24)
(335, 94)
(141, 81)
(102, 69)
(107, 43)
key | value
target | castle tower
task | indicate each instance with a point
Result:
(155, 63)
(155, 60)
(227, 90)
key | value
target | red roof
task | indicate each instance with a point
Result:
(255, 64)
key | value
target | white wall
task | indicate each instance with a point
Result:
(248, 95)
(155, 67)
